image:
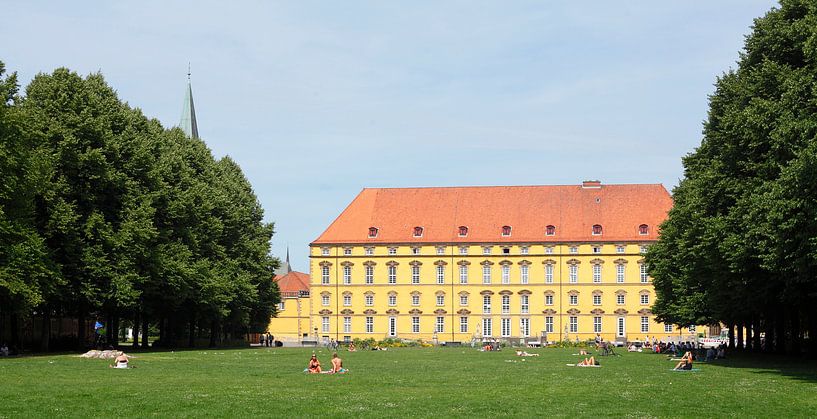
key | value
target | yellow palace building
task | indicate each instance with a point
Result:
(454, 264)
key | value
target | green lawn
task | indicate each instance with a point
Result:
(430, 382)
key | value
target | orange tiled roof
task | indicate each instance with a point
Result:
(528, 210)
(292, 282)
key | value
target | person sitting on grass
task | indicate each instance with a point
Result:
(685, 363)
(120, 361)
(352, 347)
(588, 362)
(337, 365)
(314, 366)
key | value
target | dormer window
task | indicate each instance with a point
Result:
(550, 230)
(506, 231)
(463, 231)
(597, 230)
(418, 232)
(372, 232)
(643, 229)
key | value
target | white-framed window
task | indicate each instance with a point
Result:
(369, 251)
(463, 299)
(463, 274)
(347, 300)
(324, 275)
(620, 299)
(506, 304)
(281, 306)
(645, 324)
(574, 249)
(369, 298)
(574, 299)
(524, 327)
(597, 300)
(692, 328)
(415, 274)
(415, 250)
(392, 274)
(596, 249)
(463, 250)
(505, 327)
(620, 273)
(324, 300)
(324, 251)
(463, 324)
(392, 300)
(440, 250)
(644, 277)
(347, 275)
(440, 324)
(621, 329)
(524, 304)
(347, 325)
(549, 250)
(548, 300)
(506, 231)
(645, 299)
(506, 274)
(369, 270)
(392, 250)
(487, 329)
(325, 324)
(548, 324)
(524, 274)
(415, 300)
(597, 324)
(486, 304)
(392, 326)
(523, 250)
(619, 249)
(440, 274)
(573, 321)
(415, 324)
(347, 251)
(486, 274)
(369, 324)
(668, 328)
(642, 248)
(597, 273)
(573, 273)
(486, 250)
(440, 300)
(549, 273)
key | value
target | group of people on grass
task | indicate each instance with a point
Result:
(267, 339)
(314, 366)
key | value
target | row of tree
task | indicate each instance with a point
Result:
(740, 244)
(107, 216)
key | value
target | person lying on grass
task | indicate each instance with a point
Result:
(588, 362)
(524, 353)
(685, 363)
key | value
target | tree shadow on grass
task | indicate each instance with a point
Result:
(798, 368)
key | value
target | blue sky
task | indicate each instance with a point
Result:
(317, 99)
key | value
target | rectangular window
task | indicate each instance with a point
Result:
(415, 274)
(523, 274)
(347, 275)
(597, 324)
(505, 327)
(392, 250)
(440, 300)
(324, 251)
(523, 250)
(392, 274)
(487, 330)
(574, 324)
(548, 273)
(324, 300)
(692, 329)
(369, 324)
(524, 307)
(506, 250)
(440, 324)
(369, 251)
(347, 300)
(573, 274)
(548, 300)
(645, 299)
(596, 274)
(281, 306)
(370, 274)
(415, 300)
(597, 300)
(415, 324)
(548, 324)
(596, 249)
(440, 274)
(524, 327)
(621, 330)
(325, 324)
(619, 249)
(506, 304)
(486, 304)
(369, 299)
(506, 274)
(392, 326)
(347, 251)
(324, 275)
(463, 299)
(463, 324)
(392, 300)
(644, 277)
(463, 274)
(574, 249)
(668, 328)
(415, 250)
(549, 250)
(486, 250)
(347, 325)
(486, 274)
(620, 299)
(440, 250)
(643, 249)
(620, 273)
(645, 324)
(574, 300)
(463, 250)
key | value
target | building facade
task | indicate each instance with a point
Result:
(457, 264)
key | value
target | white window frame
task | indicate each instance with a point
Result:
(347, 275)
(596, 249)
(524, 327)
(621, 327)
(392, 271)
(620, 272)
(549, 250)
(619, 249)
(573, 300)
(486, 304)
(415, 300)
(596, 324)
(573, 273)
(573, 324)
(506, 304)
(463, 274)
(645, 278)
(392, 300)
(369, 324)
(524, 274)
(486, 274)
(369, 272)
(440, 274)
(347, 251)
(369, 300)
(415, 274)
(324, 251)
(325, 299)
(463, 299)
(548, 324)
(439, 325)
(487, 327)
(597, 273)
(415, 324)
(548, 300)
(549, 273)
(523, 250)
(486, 250)
(620, 299)
(506, 274)
(669, 328)
(463, 324)
(392, 250)
(573, 250)
(324, 275)
(645, 299)
(368, 251)
(440, 250)
(505, 327)
(463, 250)
(597, 300)
(347, 324)
(392, 326)
(524, 304)
(645, 324)
(347, 300)
(415, 250)
(325, 324)
(440, 300)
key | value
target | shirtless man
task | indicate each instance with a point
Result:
(337, 364)
(314, 366)
(588, 362)
(121, 361)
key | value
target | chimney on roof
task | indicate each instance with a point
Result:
(591, 184)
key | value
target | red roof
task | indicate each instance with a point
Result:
(528, 210)
(293, 282)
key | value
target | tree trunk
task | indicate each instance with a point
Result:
(756, 346)
(812, 331)
(14, 325)
(45, 331)
(780, 331)
(795, 333)
(740, 336)
(213, 332)
(81, 332)
(768, 328)
(748, 335)
(145, 330)
(191, 332)
(136, 329)
(731, 327)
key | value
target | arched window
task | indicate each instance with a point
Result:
(506, 231)
(418, 232)
(643, 229)
(463, 231)
(550, 230)
(372, 232)
(597, 229)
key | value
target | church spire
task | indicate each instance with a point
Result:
(188, 123)
(289, 267)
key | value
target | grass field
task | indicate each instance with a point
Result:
(438, 382)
